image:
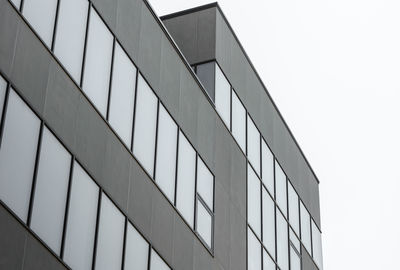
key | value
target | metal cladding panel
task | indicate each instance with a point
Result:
(108, 10)
(306, 261)
(9, 25)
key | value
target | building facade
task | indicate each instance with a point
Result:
(133, 142)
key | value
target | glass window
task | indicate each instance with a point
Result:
(144, 140)
(98, 62)
(156, 263)
(280, 181)
(81, 225)
(41, 14)
(136, 250)
(253, 145)
(305, 228)
(206, 74)
(238, 121)
(3, 87)
(268, 218)
(253, 201)
(205, 183)
(223, 96)
(294, 218)
(186, 179)
(17, 155)
(282, 242)
(317, 245)
(267, 167)
(110, 236)
(253, 252)
(268, 263)
(49, 207)
(295, 262)
(17, 3)
(204, 223)
(166, 153)
(122, 97)
(293, 238)
(70, 37)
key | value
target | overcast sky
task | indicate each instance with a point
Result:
(333, 69)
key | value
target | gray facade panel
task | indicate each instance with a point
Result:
(108, 11)
(238, 227)
(238, 180)
(222, 227)
(202, 258)
(205, 35)
(306, 261)
(183, 244)
(9, 25)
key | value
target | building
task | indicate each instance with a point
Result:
(125, 145)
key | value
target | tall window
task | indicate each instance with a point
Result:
(238, 121)
(253, 201)
(305, 227)
(253, 145)
(223, 96)
(136, 250)
(281, 192)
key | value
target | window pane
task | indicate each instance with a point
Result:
(268, 263)
(145, 125)
(238, 121)
(317, 245)
(295, 263)
(222, 96)
(98, 62)
(253, 252)
(122, 95)
(204, 223)
(82, 213)
(17, 3)
(136, 250)
(166, 153)
(293, 238)
(268, 222)
(206, 74)
(267, 167)
(253, 145)
(305, 228)
(3, 87)
(51, 191)
(110, 236)
(186, 179)
(282, 241)
(41, 15)
(17, 155)
(156, 263)
(281, 197)
(253, 201)
(294, 218)
(205, 183)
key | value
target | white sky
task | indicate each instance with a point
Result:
(333, 68)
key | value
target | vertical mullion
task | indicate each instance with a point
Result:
(85, 44)
(4, 112)
(111, 79)
(176, 164)
(134, 107)
(53, 42)
(21, 7)
(37, 159)
(288, 221)
(230, 122)
(71, 171)
(275, 242)
(247, 206)
(96, 230)
(311, 237)
(124, 243)
(195, 196)
(149, 257)
(156, 140)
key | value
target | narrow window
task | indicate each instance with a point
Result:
(253, 252)
(282, 241)
(96, 76)
(268, 218)
(253, 145)
(122, 95)
(70, 36)
(205, 183)
(166, 153)
(294, 218)
(305, 227)
(17, 155)
(281, 194)
(51, 190)
(204, 223)
(295, 261)
(145, 125)
(110, 236)
(82, 214)
(41, 14)
(222, 96)
(253, 201)
(238, 121)
(206, 74)
(268, 263)
(267, 167)
(136, 250)
(317, 245)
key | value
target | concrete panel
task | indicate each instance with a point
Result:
(183, 244)
(238, 234)
(237, 67)
(238, 179)
(171, 65)
(307, 262)
(222, 227)
(62, 101)
(128, 26)
(31, 68)
(224, 39)
(140, 199)
(108, 11)
(150, 48)
(12, 241)
(9, 26)
(202, 258)
(223, 148)
(162, 226)
(206, 35)
(37, 257)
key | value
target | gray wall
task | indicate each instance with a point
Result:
(43, 83)
(225, 48)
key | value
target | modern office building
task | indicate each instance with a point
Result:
(133, 142)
